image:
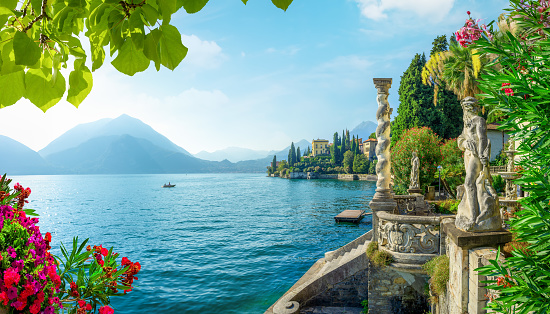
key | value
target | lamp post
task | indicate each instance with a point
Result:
(439, 193)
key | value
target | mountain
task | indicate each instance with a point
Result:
(364, 129)
(233, 154)
(18, 159)
(109, 127)
(117, 154)
(237, 154)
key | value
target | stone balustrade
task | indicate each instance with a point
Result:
(412, 240)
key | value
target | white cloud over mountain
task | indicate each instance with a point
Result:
(378, 9)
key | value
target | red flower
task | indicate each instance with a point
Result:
(468, 12)
(104, 251)
(81, 303)
(48, 237)
(106, 310)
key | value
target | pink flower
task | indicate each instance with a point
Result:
(11, 277)
(106, 310)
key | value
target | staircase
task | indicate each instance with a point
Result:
(334, 268)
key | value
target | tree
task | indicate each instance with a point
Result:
(415, 101)
(360, 164)
(453, 171)
(372, 167)
(38, 37)
(348, 161)
(372, 135)
(298, 154)
(292, 155)
(274, 163)
(439, 44)
(334, 150)
(353, 144)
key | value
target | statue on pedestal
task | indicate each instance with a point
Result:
(415, 164)
(478, 210)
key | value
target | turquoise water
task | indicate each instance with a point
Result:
(216, 243)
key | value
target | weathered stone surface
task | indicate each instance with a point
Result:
(478, 210)
(468, 240)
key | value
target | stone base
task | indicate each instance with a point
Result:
(414, 191)
(382, 201)
(462, 247)
(467, 240)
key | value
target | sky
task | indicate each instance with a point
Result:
(258, 77)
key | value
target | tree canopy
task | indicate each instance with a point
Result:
(39, 37)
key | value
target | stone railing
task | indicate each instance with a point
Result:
(497, 169)
(410, 205)
(412, 240)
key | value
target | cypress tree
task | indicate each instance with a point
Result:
(292, 154)
(334, 151)
(274, 163)
(298, 155)
(353, 144)
(415, 101)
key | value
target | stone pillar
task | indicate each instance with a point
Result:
(383, 198)
(464, 289)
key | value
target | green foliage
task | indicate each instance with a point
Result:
(499, 183)
(426, 145)
(360, 164)
(38, 37)
(372, 167)
(348, 161)
(382, 258)
(501, 159)
(371, 249)
(453, 171)
(373, 135)
(523, 284)
(439, 44)
(447, 207)
(438, 270)
(365, 305)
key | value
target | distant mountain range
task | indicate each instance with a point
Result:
(364, 130)
(127, 145)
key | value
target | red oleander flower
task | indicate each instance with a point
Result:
(48, 237)
(104, 251)
(106, 310)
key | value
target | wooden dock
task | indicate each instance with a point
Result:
(349, 215)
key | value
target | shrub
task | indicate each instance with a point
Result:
(382, 258)
(446, 207)
(438, 270)
(453, 171)
(426, 143)
(498, 183)
(371, 249)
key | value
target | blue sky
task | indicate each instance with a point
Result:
(258, 77)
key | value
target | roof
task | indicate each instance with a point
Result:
(320, 140)
(371, 140)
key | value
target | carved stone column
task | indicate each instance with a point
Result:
(383, 198)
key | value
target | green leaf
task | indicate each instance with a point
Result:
(130, 60)
(194, 6)
(36, 6)
(244, 1)
(10, 4)
(137, 29)
(26, 51)
(80, 83)
(172, 51)
(12, 88)
(151, 45)
(167, 8)
(97, 41)
(282, 4)
(41, 90)
(151, 14)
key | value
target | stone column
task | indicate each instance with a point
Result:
(383, 198)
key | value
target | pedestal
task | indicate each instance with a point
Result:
(463, 249)
(414, 191)
(381, 201)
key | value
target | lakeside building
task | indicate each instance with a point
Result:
(319, 147)
(368, 148)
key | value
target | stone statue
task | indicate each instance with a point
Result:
(478, 210)
(415, 163)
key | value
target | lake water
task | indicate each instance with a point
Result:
(216, 243)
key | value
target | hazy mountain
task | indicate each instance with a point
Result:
(237, 154)
(233, 154)
(18, 159)
(124, 154)
(364, 129)
(108, 127)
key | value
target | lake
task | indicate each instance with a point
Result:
(215, 243)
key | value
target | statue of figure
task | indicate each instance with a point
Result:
(478, 210)
(415, 163)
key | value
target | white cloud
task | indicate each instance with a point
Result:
(288, 51)
(202, 53)
(377, 9)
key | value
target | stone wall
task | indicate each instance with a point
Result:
(360, 177)
(350, 292)
(393, 291)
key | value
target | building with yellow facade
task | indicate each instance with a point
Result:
(368, 148)
(319, 147)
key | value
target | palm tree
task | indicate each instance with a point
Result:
(461, 69)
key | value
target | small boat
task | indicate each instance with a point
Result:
(168, 185)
